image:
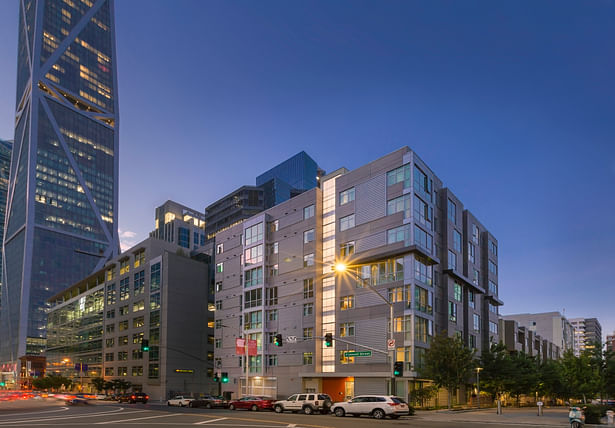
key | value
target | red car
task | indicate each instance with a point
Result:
(252, 402)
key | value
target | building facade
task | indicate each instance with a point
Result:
(153, 292)
(402, 234)
(6, 148)
(610, 342)
(180, 225)
(551, 326)
(587, 333)
(61, 220)
(518, 338)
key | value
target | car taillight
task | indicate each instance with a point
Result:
(134, 396)
(394, 404)
(147, 397)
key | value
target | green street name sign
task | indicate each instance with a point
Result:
(358, 354)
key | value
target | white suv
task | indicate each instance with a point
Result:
(377, 406)
(179, 400)
(308, 403)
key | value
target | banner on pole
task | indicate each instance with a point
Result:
(240, 346)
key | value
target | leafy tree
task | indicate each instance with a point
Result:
(121, 384)
(107, 386)
(526, 376)
(41, 383)
(578, 376)
(449, 363)
(498, 373)
(420, 395)
(609, 374)
(549, 379)
(99, 383)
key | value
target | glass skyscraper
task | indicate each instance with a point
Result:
(61, 218)
(6, 147)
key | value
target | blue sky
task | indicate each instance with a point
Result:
(512, 104)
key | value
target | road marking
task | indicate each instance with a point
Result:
(62, 409)
(60, 418)
(209, 421)
(137, 419)
(291, 425)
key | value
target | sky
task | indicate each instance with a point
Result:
(512, 105)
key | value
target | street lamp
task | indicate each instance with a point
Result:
(478, 369)
(341, 267)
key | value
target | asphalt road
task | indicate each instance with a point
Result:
(154, 415)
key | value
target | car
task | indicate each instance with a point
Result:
(308, 403)
(377, 406)
(209, 401)
(74, 400)
(179, 400)
(252, 402)
(135, 397)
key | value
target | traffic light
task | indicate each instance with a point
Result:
(216, 378)
(2, 384)
(145, 345)
(398, 369)
(277, 340)
(328, 340)
(224, 377)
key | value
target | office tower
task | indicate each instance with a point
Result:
(179, 224)
(552, 326)
(61, 220)
(587, 333)
(6, 147)
(403, 234)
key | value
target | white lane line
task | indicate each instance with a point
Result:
(209, 421)
(136, 419)
(62, 409)
(291, 425)
(61, 418)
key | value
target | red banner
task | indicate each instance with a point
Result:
(252, 348)
(240, 346)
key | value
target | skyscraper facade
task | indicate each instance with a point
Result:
(6, 147)
(61, 221)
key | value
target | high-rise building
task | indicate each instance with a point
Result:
(6, 147)
(403, 234)
(610, 342)
(61, 220)
(551, 326)
(179, 224)
(587, 333)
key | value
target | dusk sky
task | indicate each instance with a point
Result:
(512, 104)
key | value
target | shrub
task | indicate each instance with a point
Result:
(593, 413)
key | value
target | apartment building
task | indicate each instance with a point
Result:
(402, 234)
(587, 333)
(551, 326)
(518, 338)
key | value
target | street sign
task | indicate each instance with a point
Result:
(291, 339)
(358, 353)
(390, 344)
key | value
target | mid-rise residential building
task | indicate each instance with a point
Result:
(587, 334)
(152, 292)
(518, 338)
(61, 213)
(551, 326)
(610, 342)
(403, 235)
(6, 147)
(179, 224)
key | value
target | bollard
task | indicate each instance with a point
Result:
(610, 417)
(539, 408)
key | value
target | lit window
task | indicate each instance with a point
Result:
(347, 196)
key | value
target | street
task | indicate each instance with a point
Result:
(114, 414)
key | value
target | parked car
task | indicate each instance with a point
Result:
(377, 406)
(135, 397)
(252, 402)
(308, 403)
(179, 400)
(209, 401)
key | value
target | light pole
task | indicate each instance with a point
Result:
(478, 369)
(342, 268)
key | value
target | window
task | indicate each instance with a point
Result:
(423, 239)
(111, 273)
(253, 298)
(493, 248)
(137, 338)
(308, 333)
(219, 248)
(109, 342)
(254, 255)
(346, 302)
(272, 314)
(308, 288)
(475, 233)
(124, 266)
(109, 356)
(493, 287)
(254, 234)
(346, 222)
(346, 359)
(457, 241)
(139, 283)
(218, 305)
(271, 296)
(137, 371)
(308, 260)
(423, 329)
(274, 248)
(493, 327)
(154, 278)
(110, 294)
(347, 249)
(154, 319)
(274, 226)
(452, 312)
(423, 300)
(400, 294)
(308, 358)
(308, 236)
(254, 277)
(308, 212)
(452, 260)
(423, 272)
(457, 290)
(452, 212)
(219, 267)
(154, 301)
(122, 340)
(124, 310)
(346, 329)
(139, 258)
(110, 328)
(398, 205)
(123, 325)
(253, 320)
(476, 319)
(423, 213)
(399, 175)
(471, 299)
(218, 286)
(493, 308)
(152, 371)
(122, 371)
(183, 237)
(399, 234)
(308, 309)
(138, 306)
(137, 354)
(347, 196)
(125, 288)
(138, 322)
(422, 183)
(272, 360)
(218, 343)
(382, 272)
(475, 279)
(472, 340)
(493, 268)
(218, 324)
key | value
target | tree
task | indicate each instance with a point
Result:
(121, 384)
(41, 383)
(578, 376)
(449, 363)
(420, 395)
(498, 371)
(525, 379)
(99, 383)
(550, 379)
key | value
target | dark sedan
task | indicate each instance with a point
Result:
(135, 397)
(209, 402)
(252, 402)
